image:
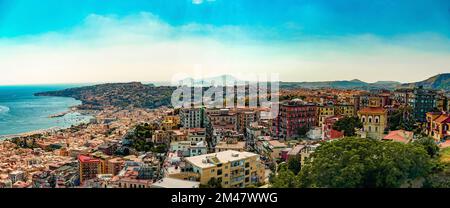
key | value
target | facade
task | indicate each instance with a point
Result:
(89, 167)
(114, 166)
(292, 116)
(323, 112)
(442, 102)
(170, 122)
(422, 101)
(222, 117)
(230, 145)
(401, 97)
(189, 148)
(192, 117)
(245, 117)
(328, 133)
(253, 132)
(233, 169)
(374, 121)
(438, 125)
(375, 99)
(196, 135)
(345, 110)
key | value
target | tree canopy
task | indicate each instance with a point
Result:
(402, 118)
(294, 165)
(360, 163)
(348, 125)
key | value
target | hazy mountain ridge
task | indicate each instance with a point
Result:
(440, 82)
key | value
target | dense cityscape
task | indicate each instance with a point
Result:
(387, 137)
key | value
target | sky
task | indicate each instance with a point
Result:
(90, 41)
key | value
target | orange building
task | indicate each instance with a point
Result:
(438, 125)
(89, 167)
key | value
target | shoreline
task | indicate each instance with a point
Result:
(72, 109)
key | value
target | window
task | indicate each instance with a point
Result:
(219, 172)
(247, 164)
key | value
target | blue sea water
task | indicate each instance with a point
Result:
(21, 111)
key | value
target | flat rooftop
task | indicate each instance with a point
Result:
(210, 160)
(175, 183)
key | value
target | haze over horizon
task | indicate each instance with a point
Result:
(49, 41)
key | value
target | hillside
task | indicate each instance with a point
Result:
(351, 84)
(439, 82)
(132, 94)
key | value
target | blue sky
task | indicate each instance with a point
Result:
(365, 39)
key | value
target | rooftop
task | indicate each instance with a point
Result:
(400, 136)
(377, 110)
(210, 160)
(225, 145)
(86, 159)
(175, 183)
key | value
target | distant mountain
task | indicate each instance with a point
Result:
(211, 81)
(438, 82)
(351, 84)
(343, 84)
(133, 94)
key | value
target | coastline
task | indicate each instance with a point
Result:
(47, 130)
(71, 109)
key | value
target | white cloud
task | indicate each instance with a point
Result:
(197, 1)
(142, 47)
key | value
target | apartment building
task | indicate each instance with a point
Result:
(232, 168)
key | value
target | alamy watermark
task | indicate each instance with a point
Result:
(228, 91)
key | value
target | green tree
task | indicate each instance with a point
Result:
(429, 145)
(362, 163)
(294, 165)
(303, 130)
(348, 125)
(285, 179)
(282, 166)
(162, 148)
(402, 119)
(213, 183)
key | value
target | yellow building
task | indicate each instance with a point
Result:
(230, 145)
(324, 112)
(345, 110)
(438, 125)
(232, 168)
(374, 121)
(170, 122)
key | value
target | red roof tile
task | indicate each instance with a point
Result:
(373, 110)
(85, 159)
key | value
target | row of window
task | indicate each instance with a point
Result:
(370, 119)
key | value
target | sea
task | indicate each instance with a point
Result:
(22, 112)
